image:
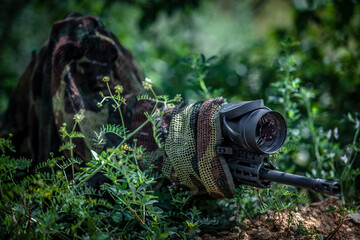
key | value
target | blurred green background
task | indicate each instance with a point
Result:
(245, 35)
(254, 42)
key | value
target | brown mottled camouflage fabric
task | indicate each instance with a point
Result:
(66, 76)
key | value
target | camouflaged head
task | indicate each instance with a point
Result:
(64, 77)
(84, 53)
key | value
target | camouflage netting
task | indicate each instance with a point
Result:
(194, 134)
(66, 77)
(189, 158)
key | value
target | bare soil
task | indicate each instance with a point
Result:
(310, 222)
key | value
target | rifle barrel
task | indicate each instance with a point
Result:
(315, 184)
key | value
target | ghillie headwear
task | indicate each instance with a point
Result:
(63, 78)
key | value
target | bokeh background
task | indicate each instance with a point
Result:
(315, 41)
(245, 35)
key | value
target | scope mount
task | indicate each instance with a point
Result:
(245, 166)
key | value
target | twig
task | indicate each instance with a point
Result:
(248, 216)
(332, 234)
(29, 218)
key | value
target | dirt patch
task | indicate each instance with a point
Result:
(310, 222)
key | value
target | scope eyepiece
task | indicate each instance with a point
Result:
(253, 126)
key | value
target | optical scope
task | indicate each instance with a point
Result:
(252, 131)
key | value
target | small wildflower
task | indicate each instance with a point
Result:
(62, 130)
(328, 135)
(177, 98)
(119, 89)
(336, 133)
(147, 83)
(79, 116)
(126, 148)
(99, 104)
(344, 158)
(106, 79)
(52, 163)
(59, 174)
(39, 182)
(357, 124)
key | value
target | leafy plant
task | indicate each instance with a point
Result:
(305, 132)
(50, 203)
(200, 65)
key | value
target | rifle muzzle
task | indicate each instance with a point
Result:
(315, 184)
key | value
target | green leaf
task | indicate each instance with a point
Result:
(163, 235)
(100, 236)
(288, 42)
(330, 209)
(66, 146)
(111, 128)
(145, 97)
(117, 217)
(127, 215)
(76, 135)
(350, 117)
(202, 57)
(212, 59)
(151, 202)
(190, 224)
(90, 226)
(94, 154)
(142, 187)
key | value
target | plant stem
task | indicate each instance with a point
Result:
(122, 119)
(203, 85)
(130, 135)
(72, 159)
(352, 158)
(315, 136)
(332, 234)
(90, 175)
(111, 155)
(72, 151)
(117, 106)
(132, 211)
(260, 198)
